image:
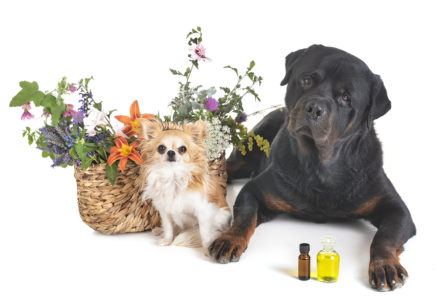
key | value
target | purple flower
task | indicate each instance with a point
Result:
(78, 117)
(198, 53)
(211, 104)
(242, 117)
(72, 89)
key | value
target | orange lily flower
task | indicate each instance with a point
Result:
(132, 123)
(123, 151)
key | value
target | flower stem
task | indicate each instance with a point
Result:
(188, 75)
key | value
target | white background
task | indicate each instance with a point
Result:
(47, 252)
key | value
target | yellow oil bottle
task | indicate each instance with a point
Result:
(328, 261)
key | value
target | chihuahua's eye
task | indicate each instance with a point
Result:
(307, 82)
(182, 149)
(161, 149)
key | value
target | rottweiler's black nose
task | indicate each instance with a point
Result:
(171, 155)
(315, 109)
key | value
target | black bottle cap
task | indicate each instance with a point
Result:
(304, 248)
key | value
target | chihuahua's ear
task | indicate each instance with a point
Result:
(149, 129)
(197, 131)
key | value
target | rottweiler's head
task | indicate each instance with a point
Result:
(331, 94)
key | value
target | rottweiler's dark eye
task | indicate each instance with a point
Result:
(161, 149)
(307, 82)
(182, 149)
(345, 97)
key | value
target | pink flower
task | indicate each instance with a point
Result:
(72, 89)
(26, 106)
(69, 111)
(26, 115)
(198, 53)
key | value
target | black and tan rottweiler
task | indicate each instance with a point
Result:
(325, 161)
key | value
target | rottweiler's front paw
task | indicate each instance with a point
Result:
(227, 248)
(386, 274)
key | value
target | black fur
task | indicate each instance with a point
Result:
(325, 161)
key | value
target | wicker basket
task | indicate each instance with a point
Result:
(119, 208)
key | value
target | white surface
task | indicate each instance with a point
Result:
(46, 251)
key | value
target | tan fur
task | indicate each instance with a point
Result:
(152, 132)
(367, 207)
(275, 203)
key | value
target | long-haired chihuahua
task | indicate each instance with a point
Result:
(174, 173)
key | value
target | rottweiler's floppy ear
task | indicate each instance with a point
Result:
(291, 59)
(380, 104)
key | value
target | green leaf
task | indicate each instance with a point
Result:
(251, 65)
(225, 90)
(73, 153)
(75, 129)
(87, 80)
(98, 106)
(196, 105)
(112, 172)
(251, 91)
(45, 154)
(27, 93)
(175, 72)
(195, 63)
(48, 100)
(85, 164)
(55, 105)
(79, 148)
(30, 139)
(56, 111)
(199, 28)
(110, 113)
(234, 69)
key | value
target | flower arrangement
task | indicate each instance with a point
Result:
(82, 135)
(86, 136)
(79, 137)
(225, 113)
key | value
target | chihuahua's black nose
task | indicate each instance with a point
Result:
(171, 155)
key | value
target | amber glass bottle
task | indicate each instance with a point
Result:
(304, 262)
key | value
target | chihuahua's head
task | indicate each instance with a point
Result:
(168, 143)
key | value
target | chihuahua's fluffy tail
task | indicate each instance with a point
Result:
(189, 238)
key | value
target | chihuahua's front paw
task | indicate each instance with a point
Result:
(157, 231)
(205, 251)
(165, 242)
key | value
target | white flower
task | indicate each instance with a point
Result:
(118, 129)
(218, 139)
(95, 118)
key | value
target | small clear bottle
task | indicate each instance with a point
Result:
(328, 261)
(304, 262)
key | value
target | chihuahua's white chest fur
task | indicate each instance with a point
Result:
(182, 209)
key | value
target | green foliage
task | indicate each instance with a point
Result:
(112, 172)
(31, 135)
(189, 104)
(30, 93)
(62, 140)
